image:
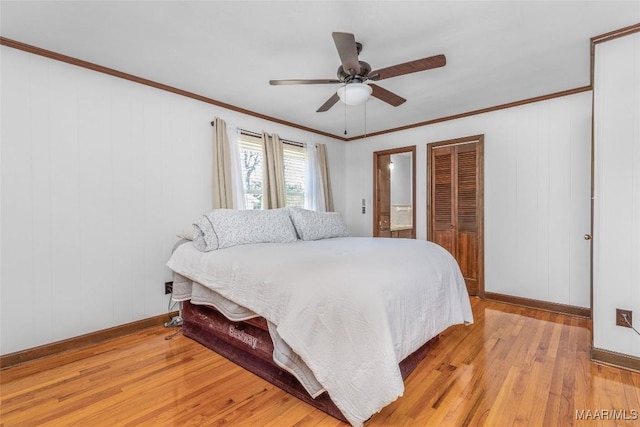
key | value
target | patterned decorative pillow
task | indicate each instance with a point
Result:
(223, 228)
(240, 227)
(313, 225)
(204, 236)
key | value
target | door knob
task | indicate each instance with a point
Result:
(587, 237)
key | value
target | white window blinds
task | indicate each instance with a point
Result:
(251, 160)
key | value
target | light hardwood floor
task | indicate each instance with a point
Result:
(513, 366)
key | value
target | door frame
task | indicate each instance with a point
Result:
(479, 140)
(408, 149)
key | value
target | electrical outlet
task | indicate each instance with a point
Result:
(620, 318)
(168, 287)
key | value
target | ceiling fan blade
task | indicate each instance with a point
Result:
(303, 82)
(348, 52)
(330, 103)
(386, 96)
(409, 67)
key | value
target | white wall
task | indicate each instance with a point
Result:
(616, 237)
(98, 174)
(537, 193)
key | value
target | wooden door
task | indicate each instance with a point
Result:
(386, 190)
(383, 195)
(455, 205)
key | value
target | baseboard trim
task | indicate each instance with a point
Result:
(23, 356)
(541, 305)
(617, 360)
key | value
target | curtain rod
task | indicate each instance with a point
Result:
(259, 135)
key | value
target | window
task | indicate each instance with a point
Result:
(251, 154)
(294, 170)
(251, 164)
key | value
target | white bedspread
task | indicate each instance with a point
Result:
(352, 308)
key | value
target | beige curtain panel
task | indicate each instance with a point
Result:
(323, 165)
(222, 178)
(273, 189)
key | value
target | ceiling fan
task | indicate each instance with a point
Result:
(353, 73)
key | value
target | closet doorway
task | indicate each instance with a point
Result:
(455, 205)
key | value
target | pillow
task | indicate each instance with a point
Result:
(224, 228)
(186, 234)
(239, 227)
(204, 237)
(313, 225)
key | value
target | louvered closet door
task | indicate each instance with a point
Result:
(442, 198)
(455, 204)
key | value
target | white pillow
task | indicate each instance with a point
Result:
(313, 225)
(186, 234)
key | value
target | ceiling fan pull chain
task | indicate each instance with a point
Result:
(345, 112)
(365, 119)
(345, 118)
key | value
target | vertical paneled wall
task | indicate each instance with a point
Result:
(537, 194)
(98, 174)
(616, 237)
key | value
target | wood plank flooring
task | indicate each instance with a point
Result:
(513, 367)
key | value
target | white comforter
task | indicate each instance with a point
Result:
(352, 308)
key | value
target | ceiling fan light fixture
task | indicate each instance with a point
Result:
(354, 93)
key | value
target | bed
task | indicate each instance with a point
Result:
(336, 321)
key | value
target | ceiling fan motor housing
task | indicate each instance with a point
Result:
(346, 77)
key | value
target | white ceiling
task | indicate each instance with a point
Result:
(497, 51)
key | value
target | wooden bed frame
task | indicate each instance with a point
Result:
(249, 345)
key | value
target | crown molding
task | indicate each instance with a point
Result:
(126, 76)
(112, 72)
(475, 112)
